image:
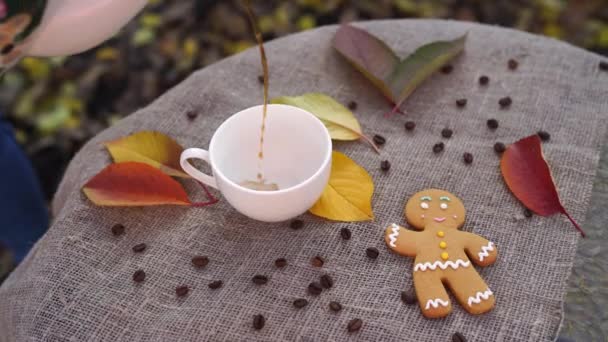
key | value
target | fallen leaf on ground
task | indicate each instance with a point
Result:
(339, 120)
(134, 184)
(348, 195)
(528, 176)
(396, 78)
(150, 147)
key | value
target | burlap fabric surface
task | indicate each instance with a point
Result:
(76, 284)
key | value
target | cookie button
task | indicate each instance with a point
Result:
(443, 245)
(444, 256)
(440, 233)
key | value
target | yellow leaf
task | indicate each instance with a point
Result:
(152, 148)
(348, 196)
(339, 120)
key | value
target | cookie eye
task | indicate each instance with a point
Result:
(443, 206)
(424, 205)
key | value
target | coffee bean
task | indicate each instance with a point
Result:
(352, 105)
(484, 80)
(461, 102)
(467, 157)
(139, 248)
(528, 213)
(139, 276)
(372, 253)
(354, 325)
(385, 165)
(296, 224)
(259, 279)
(261, 79)
(603, 66)
(446, 69)
(410, 125)
(315, 288)
(499, 147)
(300, 303)
(379, 140)
(258, 322)
(492, 124)
(505, 102)
(280, 263)
(214, 285)
(408, 297)
(200, 261)
(544, 136)
(317, 261)
(447, 133)
(438, 147)
(458, 337)
(118, 229)
(326, 281)
(335, 306)
(182, 291)
(512, 64)
(345, 233)
(192, 115)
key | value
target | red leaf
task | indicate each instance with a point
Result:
(528, 176)
(134, 184)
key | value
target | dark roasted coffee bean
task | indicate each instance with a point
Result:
(296, 224)
(259, 279)
(461, 102)
(385, 165)
(458, 337)
(261, 79)
(544, 136)
(492, 123)
(499, 147)
(372, 253)
(528, 213)
(505, 102)
(258, 322)
(438, 147)
(345, 233)
(200, 261)
(300, 303)
(326, 281)
(446, 69)
(603, 66)
(280, 263)
(512, 64)
(447, 133)
(215, 284)
(335, 306)
(467, 157)
(354, 325)
(408, 297)
(484, 80)
(182, 291)
(139, 248)
(139, 276)
(192, 114)
(118, 229)
(410, 125)
(315, 288)
(379, 140)
(317, 261)
(352, 105)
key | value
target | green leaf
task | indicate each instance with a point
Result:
(395, 78)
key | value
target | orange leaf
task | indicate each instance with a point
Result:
(150, 147)
(134, 184)
(527, 174)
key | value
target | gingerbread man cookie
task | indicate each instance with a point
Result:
(443, 254)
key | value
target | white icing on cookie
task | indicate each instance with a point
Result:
(479, 296)
(393, 236)
(435, 303)
(442, 265)
(484, 251)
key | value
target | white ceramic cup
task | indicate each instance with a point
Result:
(297, 157)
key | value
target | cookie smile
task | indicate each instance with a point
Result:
(439, 219)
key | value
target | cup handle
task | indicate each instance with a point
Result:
(197, 153)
